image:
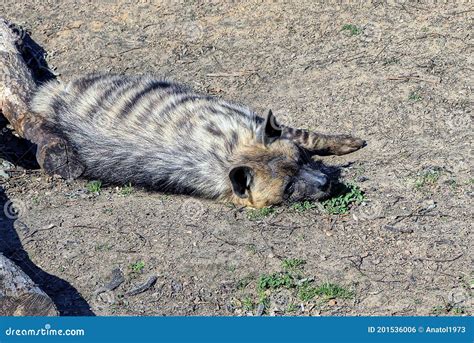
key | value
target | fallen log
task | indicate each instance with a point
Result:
(17, 85)
(19, 295)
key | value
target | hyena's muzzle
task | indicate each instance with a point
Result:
(308, 184)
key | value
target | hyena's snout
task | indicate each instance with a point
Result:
(308, 184)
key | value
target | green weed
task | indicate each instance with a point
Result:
(293, 264)
(94, 186)
(414, 96)
(260, 213)
(275, 281)
(346, 196)
(137, 267)
(428, 177)
(248, 304)
(353, 29)
(303, 206)
(126, 190)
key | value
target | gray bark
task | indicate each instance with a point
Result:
(19, 295)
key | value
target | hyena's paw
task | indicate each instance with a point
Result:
(345, 144)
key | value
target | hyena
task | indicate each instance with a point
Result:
(161, 135)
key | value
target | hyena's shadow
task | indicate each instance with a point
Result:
(19, 152)
(334, 173)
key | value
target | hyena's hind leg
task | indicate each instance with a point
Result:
(321, 144)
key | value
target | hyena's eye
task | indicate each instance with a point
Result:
(289, 189)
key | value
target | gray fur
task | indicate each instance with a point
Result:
(148, 131)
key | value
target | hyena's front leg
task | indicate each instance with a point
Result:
(321, 144)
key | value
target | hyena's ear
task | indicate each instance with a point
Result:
(241, 177)
(271, 129)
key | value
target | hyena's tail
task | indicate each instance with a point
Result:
(321, 144)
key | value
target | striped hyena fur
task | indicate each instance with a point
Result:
(158, 134)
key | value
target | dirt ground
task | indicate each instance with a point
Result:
(396, 73)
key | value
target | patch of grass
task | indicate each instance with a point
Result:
(428, 177)
(293, 264)
(260, 213)
(303, 206)
(448, 308)
(344, 198)
(327, 290)
(353, 29)
(94, 186)
(248, 304)
(126, 190)
(275, 281)
(292, 308)
(438, 310)
(459, 310)
(137, 267)
(293, 280)
(414, 96)
(306, 292)
(263, 299)
(332, 291)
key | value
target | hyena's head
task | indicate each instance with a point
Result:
(274, 170)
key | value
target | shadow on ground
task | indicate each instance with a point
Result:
(66, 298)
